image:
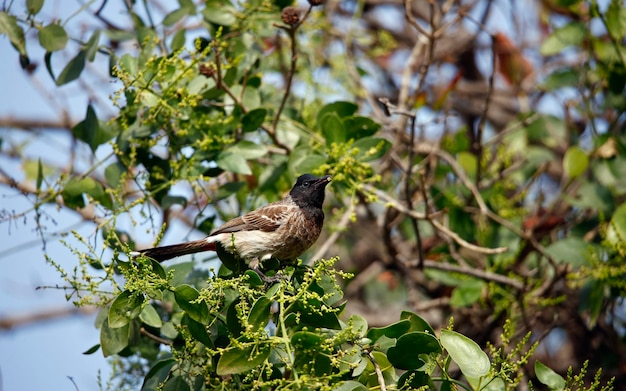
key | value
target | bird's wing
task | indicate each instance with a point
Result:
(267, 218)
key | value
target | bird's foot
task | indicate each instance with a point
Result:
(269, 280)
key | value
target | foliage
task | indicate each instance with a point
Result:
(496, 200)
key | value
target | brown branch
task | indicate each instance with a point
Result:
(154, 337)
(379, 373)
(11, 322)
(29, 123)
(470, 271)
(88, 213)
(393, 203)
(291, 30)
(478, 147)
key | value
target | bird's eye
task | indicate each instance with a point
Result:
(306, 184)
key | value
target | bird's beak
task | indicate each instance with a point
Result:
(325, 179)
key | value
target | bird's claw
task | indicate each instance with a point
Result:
(270, 280)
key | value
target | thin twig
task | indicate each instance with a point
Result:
(393, 203)
(155, 337)
(470, 271)
(379, 373)
(408, 192)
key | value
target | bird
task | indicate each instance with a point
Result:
(282, 230)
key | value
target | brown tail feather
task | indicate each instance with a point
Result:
(164, 253)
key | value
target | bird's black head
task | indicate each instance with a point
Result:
(309, 190)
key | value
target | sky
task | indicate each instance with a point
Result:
(45, 354)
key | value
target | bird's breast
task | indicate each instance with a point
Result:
(291, 238)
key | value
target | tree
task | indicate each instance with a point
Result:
(476, 178)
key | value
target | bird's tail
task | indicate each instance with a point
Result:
(164, 253)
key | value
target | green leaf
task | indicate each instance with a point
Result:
(113, 340)
(341, 109)
(417, 322)
(248, 150)
(253, 119)
(260, 313)
(157, 374)
(157, 268)
(593, 296)
(406, 353)
(150, 316)
(359, 325)
(92, 46)
(467, 293)
(567, 77)
(53, 37)
(250, 99)
(10, 28)
(92, 349)
(181, 272)
(228, 189)
(175, 16)
(176, 383)
(223, 15)
(253, 278)
(311, 316)
(310, 352)
(239, 359)
(73, 69)
(200, 84)
(472, 361)
(570, 250)
(148, 98)
(129, 64)
(113, 173)
(332, 129)
(371, 148)
(306, 341)
(197, 330)
(358, 127)
(34, 6)
(468, 162)
(233, 162)
(413, 380)
(178, 40)
(370, 377)
(547, 376)
(616, 19)
(125, 307)
(486, 383)
(350, 385)
(303, 159)
(39, 175)
(187, 298)
(288, 134)
(89, 130)
(616, 233)
(571, 34)
(394, 330)
(575, 162)
(169, 200)
(75, 189)
(590, 195)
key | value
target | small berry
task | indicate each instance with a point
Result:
(290, 15)
(207, 70)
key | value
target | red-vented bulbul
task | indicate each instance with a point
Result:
(282, 230)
